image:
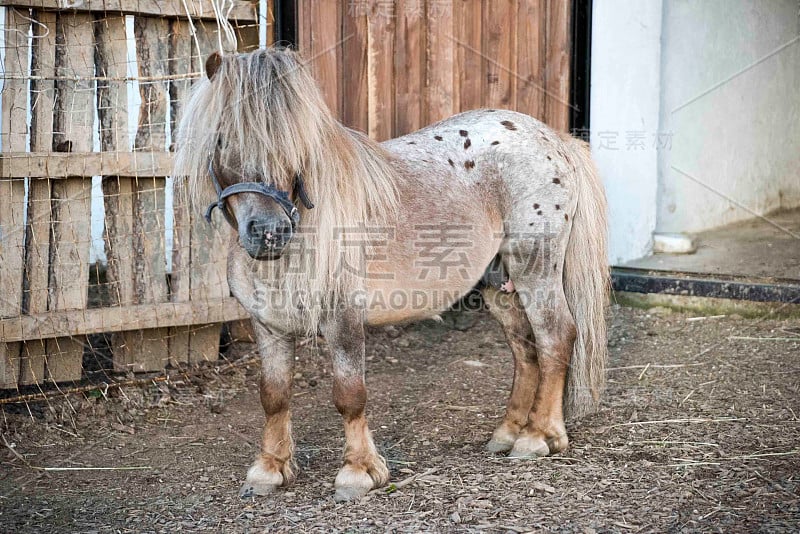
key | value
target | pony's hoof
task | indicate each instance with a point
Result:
(351, 484)
(250, 490)
(529, 447)
(496, 445)
(260, 482)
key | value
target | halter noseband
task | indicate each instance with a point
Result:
(269, 191)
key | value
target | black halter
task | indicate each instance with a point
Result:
(269, 191)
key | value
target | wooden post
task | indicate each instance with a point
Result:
(37, 247)
(12, 192)
(71, 198)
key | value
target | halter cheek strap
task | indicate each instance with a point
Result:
(269, 191)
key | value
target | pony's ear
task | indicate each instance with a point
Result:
(212, 64)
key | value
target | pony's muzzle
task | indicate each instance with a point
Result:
(264, 238)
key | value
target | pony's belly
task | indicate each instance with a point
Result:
(420, 291)
(395, 304)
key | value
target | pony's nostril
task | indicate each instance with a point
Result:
(253, 228)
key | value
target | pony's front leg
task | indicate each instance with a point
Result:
(363, 469)
(273, 465)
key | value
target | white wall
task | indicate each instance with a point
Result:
(740, 137)
(626, 53)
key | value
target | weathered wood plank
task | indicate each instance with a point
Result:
(409, 66)
(468, 24)
(180, 55)
(139, 350)
(355, 88)
(499, 50)
(58, 166)
(531, 33)
(557, 67)
(207, 275)
(243, 10)
(71, 231)
(442, 86)
(60, 324)
(12, 194)
(37, 247)
(324, 50)
(118, 192)
(380, 69)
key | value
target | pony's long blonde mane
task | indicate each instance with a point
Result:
(273, 122)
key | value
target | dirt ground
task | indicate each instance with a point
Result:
(698, 431)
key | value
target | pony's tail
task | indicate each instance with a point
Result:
(586, 285)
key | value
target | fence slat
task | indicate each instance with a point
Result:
(58, 324)
(180, 55)
(12, 193)
(380, 67)
(56, 166)
(118, 191)
(324, 48)
(37, 247)
(409, 62)
(499, 48)
(557, 64)
(355, 90)
(140, 350)
(243, 10)
(442, 85)
(531, 32)
(469, 26)
(208, 278)
(71, 231)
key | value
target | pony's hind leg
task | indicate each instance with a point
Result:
(273, 466)
(363, 469)
(507, 309)
(541, 291)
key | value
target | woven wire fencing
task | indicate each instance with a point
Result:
(106, 272)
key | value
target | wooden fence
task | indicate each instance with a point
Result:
(389, 68)
(65, 110)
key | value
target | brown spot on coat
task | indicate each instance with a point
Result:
(438, 137)
(558, 206)
(495, 142)
(412, 143)
(450, 161)
(539, 212)
(467, 143)
(556, 181)
(463, 133)
(469, 164)
(509, 125)
(566, 217)
(536, 206)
